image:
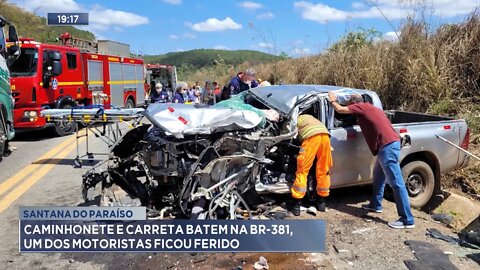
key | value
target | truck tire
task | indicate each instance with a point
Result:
(65, 128)
(129, 104)
(419, 181)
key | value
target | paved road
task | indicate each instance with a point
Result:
(40, 172)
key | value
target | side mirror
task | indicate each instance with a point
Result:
(56, 68)
(55, 56)
(13, 52)
(12, 34)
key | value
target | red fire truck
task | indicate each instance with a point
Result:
(65, 76)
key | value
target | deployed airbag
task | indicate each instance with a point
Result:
(184, 119)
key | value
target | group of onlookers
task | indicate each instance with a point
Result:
(211, 93)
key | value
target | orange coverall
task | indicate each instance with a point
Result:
(315, 140)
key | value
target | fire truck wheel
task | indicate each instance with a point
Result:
(64, 128)
(129, 104)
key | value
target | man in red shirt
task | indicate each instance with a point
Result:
(384, 143)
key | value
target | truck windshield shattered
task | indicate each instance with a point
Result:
(26, 64)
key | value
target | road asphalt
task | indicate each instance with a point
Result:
(40, 172)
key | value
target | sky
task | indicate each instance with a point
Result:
(297, 28)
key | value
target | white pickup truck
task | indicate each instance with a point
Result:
(423, 155)
(227, 156)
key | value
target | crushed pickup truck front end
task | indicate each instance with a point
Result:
(197, 162)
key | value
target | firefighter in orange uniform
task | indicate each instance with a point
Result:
(315, 140)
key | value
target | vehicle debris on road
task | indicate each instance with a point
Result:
(262, 264)
(434, 233)
(446, 219)
(428, 257)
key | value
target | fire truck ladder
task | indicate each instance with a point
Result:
(105, 124)
(83, 44)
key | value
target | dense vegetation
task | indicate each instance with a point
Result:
(425, 70)
(32, 26)
(207, 57)
(211, 63)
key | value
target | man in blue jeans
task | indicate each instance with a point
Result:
(384, 143)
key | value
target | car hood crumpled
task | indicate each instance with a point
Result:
(185, 119)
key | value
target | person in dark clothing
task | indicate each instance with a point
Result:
(226, 93)
(243, 81)
(223, 95)
(384, 143)
(160, 94)
(178, 98)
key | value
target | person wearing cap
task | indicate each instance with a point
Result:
(159, 95)
(315, 139)
(384, 143)
(243, 81)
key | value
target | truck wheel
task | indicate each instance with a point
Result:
(65, 128)
(129, 104)
(419, 181)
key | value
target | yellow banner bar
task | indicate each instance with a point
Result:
(95, 82)
(69, 83)
(125, 82)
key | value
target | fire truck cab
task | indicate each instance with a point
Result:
(63, 76)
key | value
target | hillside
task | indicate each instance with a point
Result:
(206, 57)
(32, 26)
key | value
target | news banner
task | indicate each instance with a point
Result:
(126, 229)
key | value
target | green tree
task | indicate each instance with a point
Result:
(354, 40)
(283, 55)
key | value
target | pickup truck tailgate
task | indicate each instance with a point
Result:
(422, 138)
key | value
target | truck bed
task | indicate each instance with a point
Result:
(401, 117)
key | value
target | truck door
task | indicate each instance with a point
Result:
(116, 84)
(139, 80)
(95, 80)
(70, 82)
(51, 92)
(352, 160)
(129, 81)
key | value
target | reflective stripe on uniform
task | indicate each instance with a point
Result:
(309, 126)
(299, 189)
(312, 130)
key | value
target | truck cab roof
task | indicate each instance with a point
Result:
(285, 97)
